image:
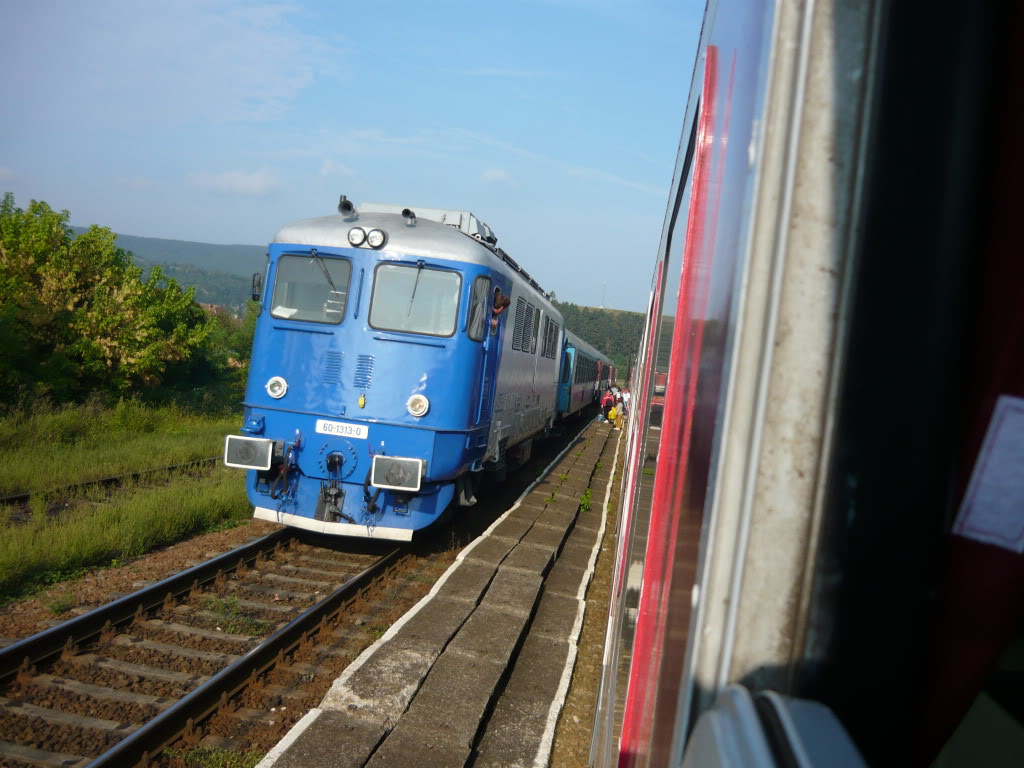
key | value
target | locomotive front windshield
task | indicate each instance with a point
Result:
(311, 288)
(415, 299)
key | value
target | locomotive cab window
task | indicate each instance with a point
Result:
(415, 299)
(476, 325)
(311, 288)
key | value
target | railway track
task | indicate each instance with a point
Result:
(116, 685)
(106, 482)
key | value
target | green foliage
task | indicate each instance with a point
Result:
(585, 501)
(62, 603)
(203, 757)
(50, 447)
(127, 525)
(77, 316)
(233, 619)
(614, 332)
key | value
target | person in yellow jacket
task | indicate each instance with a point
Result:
(613, 417)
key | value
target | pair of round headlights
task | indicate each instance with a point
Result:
(375, 238)
(417, 405)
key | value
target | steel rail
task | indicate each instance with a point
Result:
(21, 498)
(83, 628)
(143, 744)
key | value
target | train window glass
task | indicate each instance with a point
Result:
(536, 330)
(476, 326)
(415, 300)
(303, 292)
(517, 333)
(566, 363)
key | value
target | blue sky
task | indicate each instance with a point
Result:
(555, 121)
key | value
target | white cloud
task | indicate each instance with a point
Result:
(159, 62)
(577, 171)
(495, 176)
(6, 174)
(237, 183)
(331, 168)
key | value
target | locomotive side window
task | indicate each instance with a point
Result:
(476, 326)
(314, 289)
(415, 299)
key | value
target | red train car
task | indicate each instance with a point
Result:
(834, 353)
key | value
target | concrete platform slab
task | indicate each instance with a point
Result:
(512, 528)
(545, 536)
(561, 518)
(563, 495)
(333, 739)
(564, 579)
(528, 512)
(561, 511)
(582, 536)
(575, 555)
(556, 616)
(513, 590)
(517, 725)
(468, 581)
(411, 748)
(491, 550)
(436, 622)
(489, 633)
(454, 697)
(530, 557)
(537, 673)
(380, 690)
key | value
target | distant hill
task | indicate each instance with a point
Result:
(615, 332)
(222, 275)
(239, 260)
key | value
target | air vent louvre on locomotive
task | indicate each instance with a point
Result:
(332, 367)
(364, 372)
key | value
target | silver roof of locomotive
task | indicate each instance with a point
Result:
(424, 238)
(458, 238)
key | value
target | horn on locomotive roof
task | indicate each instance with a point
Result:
(345, 206)
(409, 216)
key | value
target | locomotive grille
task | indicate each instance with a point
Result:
(332, 367)
(364, 372)
(517, 331)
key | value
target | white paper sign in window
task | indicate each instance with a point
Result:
(993, 507)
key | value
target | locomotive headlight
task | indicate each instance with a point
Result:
(357, 236)
(417, 405)
(277, 387)
(375, 238)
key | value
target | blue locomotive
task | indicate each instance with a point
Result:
(398, 354)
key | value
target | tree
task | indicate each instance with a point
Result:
(77, 315)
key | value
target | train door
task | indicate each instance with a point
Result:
(491, 349)
(565, 383)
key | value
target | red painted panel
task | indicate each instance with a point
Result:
(647, 650)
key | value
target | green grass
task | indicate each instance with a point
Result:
(201, 757)
(585, 501)
(48, 448)
(41, 551)
(233, 619)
